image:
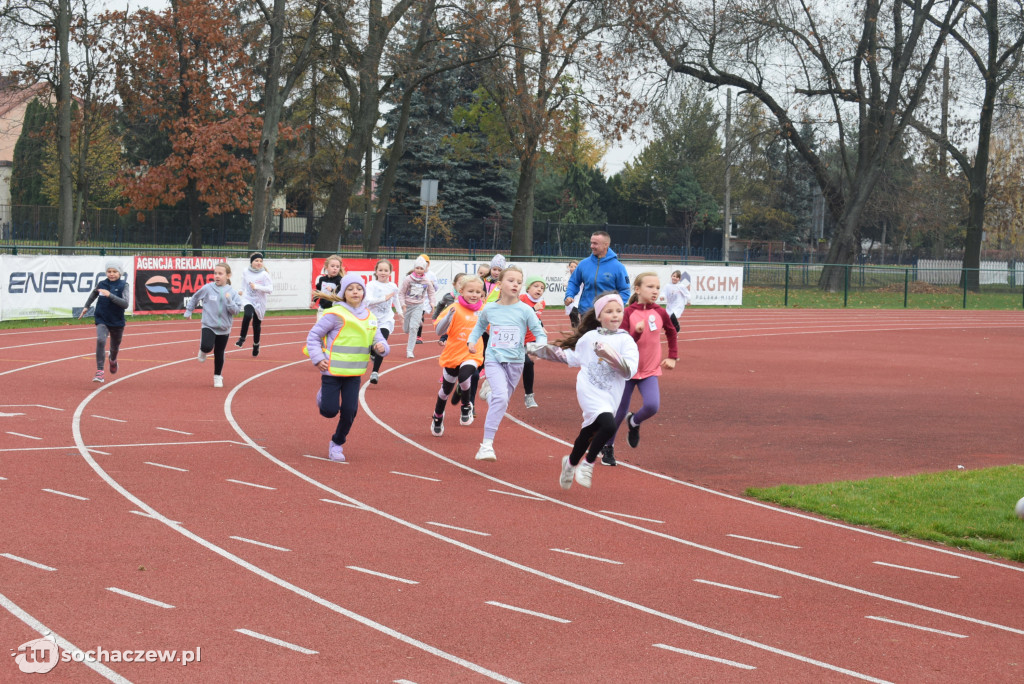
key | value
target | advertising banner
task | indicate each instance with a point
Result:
(290, 277)
(167, 283)
(51, 286)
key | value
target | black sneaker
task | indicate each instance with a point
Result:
(256, 349)
(633, 436)
(240, 342)
(608, 455)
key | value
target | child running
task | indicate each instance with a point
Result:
(220, 304)
(329, 282)
(644, 320)
(415, 293)
(509, 320)
(606, 356)
(533, 296)
(573, 311)
(256, 285)
(111, 296)
(382, 300)
(677, 296)
(459, 362)
(339, 346)
(432, 277)
(449, 297)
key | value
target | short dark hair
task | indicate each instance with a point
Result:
(602, 234)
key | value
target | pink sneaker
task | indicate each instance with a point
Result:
(335, 453)
(98, 377)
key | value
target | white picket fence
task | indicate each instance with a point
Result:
(947, 272)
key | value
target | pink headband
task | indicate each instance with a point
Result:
(603, 301)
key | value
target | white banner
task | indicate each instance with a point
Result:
(52, 286)
(291, 281)
(709, 285)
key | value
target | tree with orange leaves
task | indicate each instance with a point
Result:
(186, 83)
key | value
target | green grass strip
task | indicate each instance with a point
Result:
(969, 509)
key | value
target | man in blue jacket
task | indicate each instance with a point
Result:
(599, 272)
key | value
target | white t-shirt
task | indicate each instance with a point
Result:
(379, 305)
(677, 296)
(599, 385)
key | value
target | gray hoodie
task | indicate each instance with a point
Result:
(220, 304)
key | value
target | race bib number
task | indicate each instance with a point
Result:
(505, 337)
(652, 322)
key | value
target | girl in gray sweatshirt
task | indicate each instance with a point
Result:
(220, 303)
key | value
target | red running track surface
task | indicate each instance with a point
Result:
(156, 512)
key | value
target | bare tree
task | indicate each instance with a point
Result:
(859, 74)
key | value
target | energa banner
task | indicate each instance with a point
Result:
(52, 286)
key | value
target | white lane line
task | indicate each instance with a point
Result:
(923, 572)
(344, 503)
(26, 561)
(101, 453)
(140, 597)
(913, 626)
(70, 496)
(127, 446)
(419, 477)
(18, 434)
(521, 496)
(381, 574)
(277, 642)
(528, 612)
(29, 406)
(583, 555)
(457, 529)
(321, 458)
(729, 586)
(634, 517)
(147, 515)
(703, 656)
(3, 478)
(251, 484)
(63, 643)
(169, 467)
(762, 541)
(114, 420)
(180, 432)
(259, 543)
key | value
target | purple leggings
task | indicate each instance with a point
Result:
(651, 395)
(503, 378)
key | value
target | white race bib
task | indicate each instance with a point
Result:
(505, 337)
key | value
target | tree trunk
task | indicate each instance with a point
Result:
(263, 181)
(65, 220)
(192, 199)
(522, 212)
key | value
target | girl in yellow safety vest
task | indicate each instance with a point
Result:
(339, 346)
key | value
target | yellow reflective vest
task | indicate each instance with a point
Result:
(350, 350)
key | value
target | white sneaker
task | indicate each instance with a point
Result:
(218, 380)
(202, 356)
(584, 472)
(565, 479)
(374, 378)
(437, 426)
(486, 452)
(530, 401)
(484, 391)
(409, 355)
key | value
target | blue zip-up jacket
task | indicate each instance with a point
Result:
(593, 276)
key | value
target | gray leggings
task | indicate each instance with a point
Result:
(102, 332)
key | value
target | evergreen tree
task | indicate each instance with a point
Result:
(30, 155)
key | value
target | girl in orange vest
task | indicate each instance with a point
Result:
(339, 346)
(459, 364)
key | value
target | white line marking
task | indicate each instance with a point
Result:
(729, 586)
(344, 503)
(64, 644)
(419, 477)
(101, 453)
(923, 572)
(762, 541)
(521, 496)
(583, 555)
(321, 458)
(70, 496)
(458, 529)
(180, 432)
(259, 543)
(30, 405)
(278, 642)
(635, 517)
(702, 656)
(115, 420)
(528, 612)
(127, 446)
(3, 478)
(404, 681)
(381, 574)
(26, 561)
(251, 484)
(169, 467)
(147, 515)
(912, 626)
(18, 434)
(139, 597)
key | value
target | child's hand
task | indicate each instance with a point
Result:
(639, 327)
(379, 347)
(82, 314)
(324, 365)
(104, 293)
(668, 364)
(442, 339)
(188, 314)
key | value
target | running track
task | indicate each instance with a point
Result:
(155, 512)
